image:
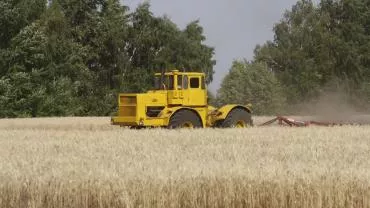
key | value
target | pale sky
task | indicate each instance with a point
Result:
(232, 27)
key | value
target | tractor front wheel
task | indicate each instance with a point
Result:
(237, 118)
(185, 119)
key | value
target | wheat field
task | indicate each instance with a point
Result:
(85, 162)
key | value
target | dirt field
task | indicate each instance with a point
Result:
(85, 162)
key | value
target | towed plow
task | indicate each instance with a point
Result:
(285, 121)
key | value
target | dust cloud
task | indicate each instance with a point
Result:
(334, 107)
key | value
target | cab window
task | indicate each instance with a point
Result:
(170, 83)
(179, 82)
(186, 82)
(194, 82)
(167, 83)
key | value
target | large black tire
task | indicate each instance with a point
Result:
(185, 119)
(238, 117)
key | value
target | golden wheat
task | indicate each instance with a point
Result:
(85, 162)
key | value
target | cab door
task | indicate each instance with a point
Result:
(180, 87)
(176, 94)
(195, 92)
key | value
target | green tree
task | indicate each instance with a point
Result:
(292, 53)
(15, 15)
(316, 45)
(52, 65)
(156, 44)
(72, 57)
(252, 83)
(198, 56)
(99, 29)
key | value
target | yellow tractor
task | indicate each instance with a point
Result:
(178, 100)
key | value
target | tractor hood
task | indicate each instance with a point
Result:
(133, 109)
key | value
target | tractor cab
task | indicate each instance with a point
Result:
(183, 88)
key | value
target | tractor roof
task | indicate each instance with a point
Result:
(181, 73)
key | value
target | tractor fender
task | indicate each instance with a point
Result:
(224, 111)
(167, 113)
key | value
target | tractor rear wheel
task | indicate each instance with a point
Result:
(185, 119)
(237, 118)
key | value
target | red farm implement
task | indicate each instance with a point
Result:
(284, 121)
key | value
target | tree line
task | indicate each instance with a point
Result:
(316, 50)
(72, 57)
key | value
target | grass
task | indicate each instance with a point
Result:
(85, 162)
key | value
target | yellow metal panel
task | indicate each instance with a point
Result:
(127, 105)
(223, 112)
(195, 96)
(128, 99)
(124, 121)
(155, 122)
(127, 111)
(181, 73)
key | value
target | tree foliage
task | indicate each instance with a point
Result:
(315, 46)
(252, 83)
(72, 57)
(156, 44)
